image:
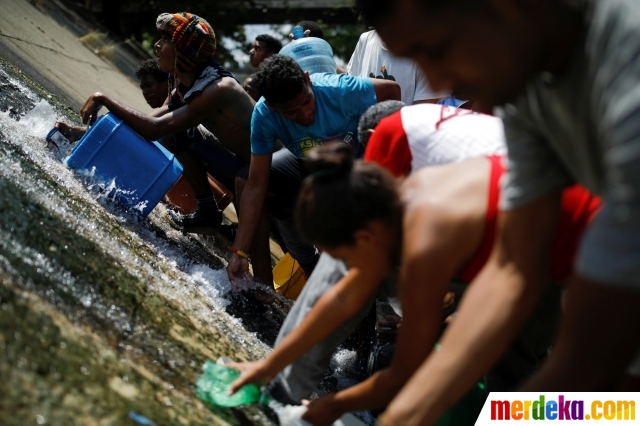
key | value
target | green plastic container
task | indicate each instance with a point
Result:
(467, 410)
(214, 384)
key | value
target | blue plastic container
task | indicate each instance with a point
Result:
(143, 171)
(298, 32)
(312, 54)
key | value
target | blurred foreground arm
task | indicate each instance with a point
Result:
(490, 315)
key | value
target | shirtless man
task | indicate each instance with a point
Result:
(205, 98)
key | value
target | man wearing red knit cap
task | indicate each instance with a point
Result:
(203, 98)
(192, 36)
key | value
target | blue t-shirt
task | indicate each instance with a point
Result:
(340, 100)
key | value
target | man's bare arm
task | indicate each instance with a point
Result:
(251, 202)
(341, 302)
(159, 112)
(161, 122)
(493, 310)
(386, 89)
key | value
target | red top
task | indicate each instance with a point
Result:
(389, 146)
(578, 208)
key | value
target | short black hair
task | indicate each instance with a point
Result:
(150, 67)
(273, 44)
(372, 116)
(313, 27)
(279, 79)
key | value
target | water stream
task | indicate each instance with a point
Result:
(103, 314)
(106, 318)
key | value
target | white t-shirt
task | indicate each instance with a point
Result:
(372, 59)
(426, 135)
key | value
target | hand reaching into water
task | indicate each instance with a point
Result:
(322, 411)
(256, 372)
(238, 268)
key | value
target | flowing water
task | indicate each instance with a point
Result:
(105, 318)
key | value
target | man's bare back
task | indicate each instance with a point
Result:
(229, 116)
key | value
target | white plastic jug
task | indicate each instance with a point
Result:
(312, 54)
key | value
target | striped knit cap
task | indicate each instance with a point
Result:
(192, 36)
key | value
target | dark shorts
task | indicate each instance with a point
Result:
(221, 163)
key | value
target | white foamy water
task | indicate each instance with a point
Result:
(87, 207)
(25, 139)
(39, 120)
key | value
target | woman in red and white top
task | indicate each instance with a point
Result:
(427, 135)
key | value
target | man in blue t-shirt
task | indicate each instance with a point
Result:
(303, 112)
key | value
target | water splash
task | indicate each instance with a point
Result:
(39, 120)
(27, 136)
(85, 206)
(154, 294)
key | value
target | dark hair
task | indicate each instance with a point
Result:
(313, 27)
(279, 79)
(372, 116)
(273, 44)
(150, 67)
(341, 196)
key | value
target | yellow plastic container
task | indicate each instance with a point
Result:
(288, 277)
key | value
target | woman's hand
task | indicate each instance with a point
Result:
(256, 372)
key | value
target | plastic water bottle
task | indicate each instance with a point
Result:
(312, 54)
(298, 32)
(213, 387)
(58, 143)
